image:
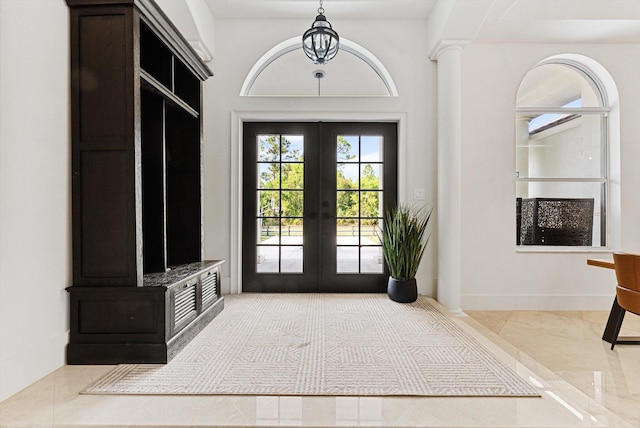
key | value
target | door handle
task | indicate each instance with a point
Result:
(326, 215)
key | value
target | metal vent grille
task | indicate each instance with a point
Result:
(209, 288)
(185, 303)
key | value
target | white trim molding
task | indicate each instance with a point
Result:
(536, 302)
(237, 121)
(294, 43)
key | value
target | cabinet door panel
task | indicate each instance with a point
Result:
(184, 305)
(103, 77)
(105, 209)
(118, 317)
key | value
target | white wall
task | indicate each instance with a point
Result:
(494, 274)
(240, 43)
(35, 241)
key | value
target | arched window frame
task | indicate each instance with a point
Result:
(293, 44)
(604, 110)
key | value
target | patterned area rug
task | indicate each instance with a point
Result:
(324, 344)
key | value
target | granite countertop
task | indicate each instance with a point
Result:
(178, 273)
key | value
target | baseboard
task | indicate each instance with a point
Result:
(116, 353)
(30, 364)
(536, 302)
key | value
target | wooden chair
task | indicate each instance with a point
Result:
(627, 291)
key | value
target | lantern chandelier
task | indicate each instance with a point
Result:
(320, 42)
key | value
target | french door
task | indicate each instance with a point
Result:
(314, 197)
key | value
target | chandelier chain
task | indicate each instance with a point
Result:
(321, 9)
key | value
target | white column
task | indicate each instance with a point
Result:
(449, 179)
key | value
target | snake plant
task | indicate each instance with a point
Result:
(404, 240)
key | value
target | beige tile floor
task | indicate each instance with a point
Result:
(581, 383)
(569, 344)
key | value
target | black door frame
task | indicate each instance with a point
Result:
(319, 216)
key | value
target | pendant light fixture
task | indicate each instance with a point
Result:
(320, 42)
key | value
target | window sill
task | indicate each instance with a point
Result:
(560, 249)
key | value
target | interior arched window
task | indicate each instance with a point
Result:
(286, 71)
(561, 157)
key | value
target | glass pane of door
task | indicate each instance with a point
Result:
(280, 203)
(359, 202)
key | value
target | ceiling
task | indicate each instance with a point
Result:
(334, 9)
(561, 21)
(484, 21)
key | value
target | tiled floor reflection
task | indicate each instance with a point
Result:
(279, 411)
(359, 411)
(581, 382)
(569, 345)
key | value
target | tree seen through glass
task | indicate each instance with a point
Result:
(281, 183)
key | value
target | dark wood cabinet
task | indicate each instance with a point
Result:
(136, 98)
(147, 324)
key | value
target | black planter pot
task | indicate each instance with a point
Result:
(402, 291)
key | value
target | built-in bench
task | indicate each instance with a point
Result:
(148, 324)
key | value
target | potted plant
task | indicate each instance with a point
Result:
(404, 240)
